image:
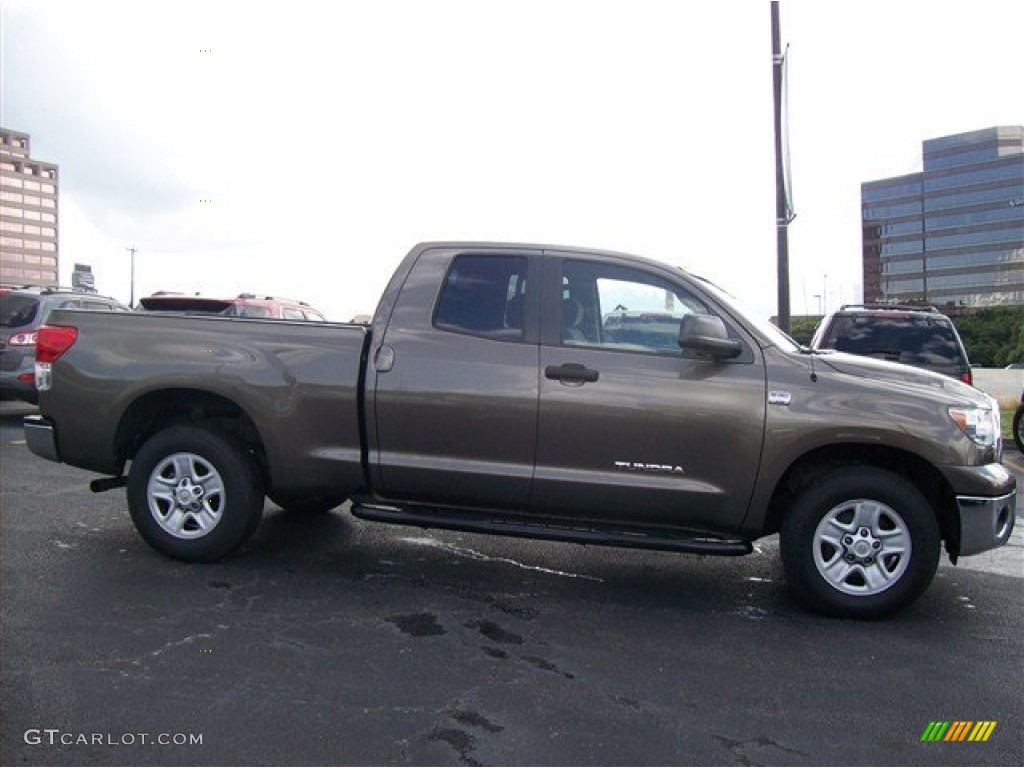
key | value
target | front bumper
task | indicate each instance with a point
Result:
(985, 522)
(41, 437)
(986, 503)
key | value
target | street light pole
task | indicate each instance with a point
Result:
(783, 210)
(131, 300)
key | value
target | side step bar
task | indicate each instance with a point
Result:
(525, 528)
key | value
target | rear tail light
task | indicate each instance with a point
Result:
(967, 377)
(53, 341)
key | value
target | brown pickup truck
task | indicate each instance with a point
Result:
(543, 392)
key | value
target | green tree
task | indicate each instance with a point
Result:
(802, 327)
(993, 336)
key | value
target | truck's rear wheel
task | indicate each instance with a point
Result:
(194, 494)
(860, 542)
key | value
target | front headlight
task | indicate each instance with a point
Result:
(980, 424)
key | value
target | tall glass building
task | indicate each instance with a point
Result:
(953, 234)
(28, 214)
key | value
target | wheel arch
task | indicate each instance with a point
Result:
(928, 480)
(156, 410)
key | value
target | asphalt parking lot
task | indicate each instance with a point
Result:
(330, 641)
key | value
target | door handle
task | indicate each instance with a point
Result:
(571, 373)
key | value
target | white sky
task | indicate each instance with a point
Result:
(329, 138)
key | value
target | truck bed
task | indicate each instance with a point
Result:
(300, 382)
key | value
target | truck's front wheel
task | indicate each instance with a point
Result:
(194, 494)
(860, 542)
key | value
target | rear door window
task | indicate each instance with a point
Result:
(484, 296)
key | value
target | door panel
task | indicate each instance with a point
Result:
(456, 413)
(651, 435)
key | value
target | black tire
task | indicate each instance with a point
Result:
(306, 504)
(194, 494)
(1018, 428)
(860, 542)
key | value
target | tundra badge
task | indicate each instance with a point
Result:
(640, 466)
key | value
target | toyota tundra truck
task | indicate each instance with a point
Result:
(535, 391)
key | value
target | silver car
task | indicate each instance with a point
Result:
(22, 311)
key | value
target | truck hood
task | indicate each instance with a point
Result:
(906, 375)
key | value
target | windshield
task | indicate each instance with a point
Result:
(18, 311)
(913, 340)
(772, 332)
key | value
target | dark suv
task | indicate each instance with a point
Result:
(22, 311)
(915, 335)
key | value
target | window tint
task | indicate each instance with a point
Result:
(16, 311)
(292, 314)
(484, 296)
(625, 309)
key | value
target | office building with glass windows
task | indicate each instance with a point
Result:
(953, 234)
(28, 214)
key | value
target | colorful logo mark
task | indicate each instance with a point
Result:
(958, 730)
